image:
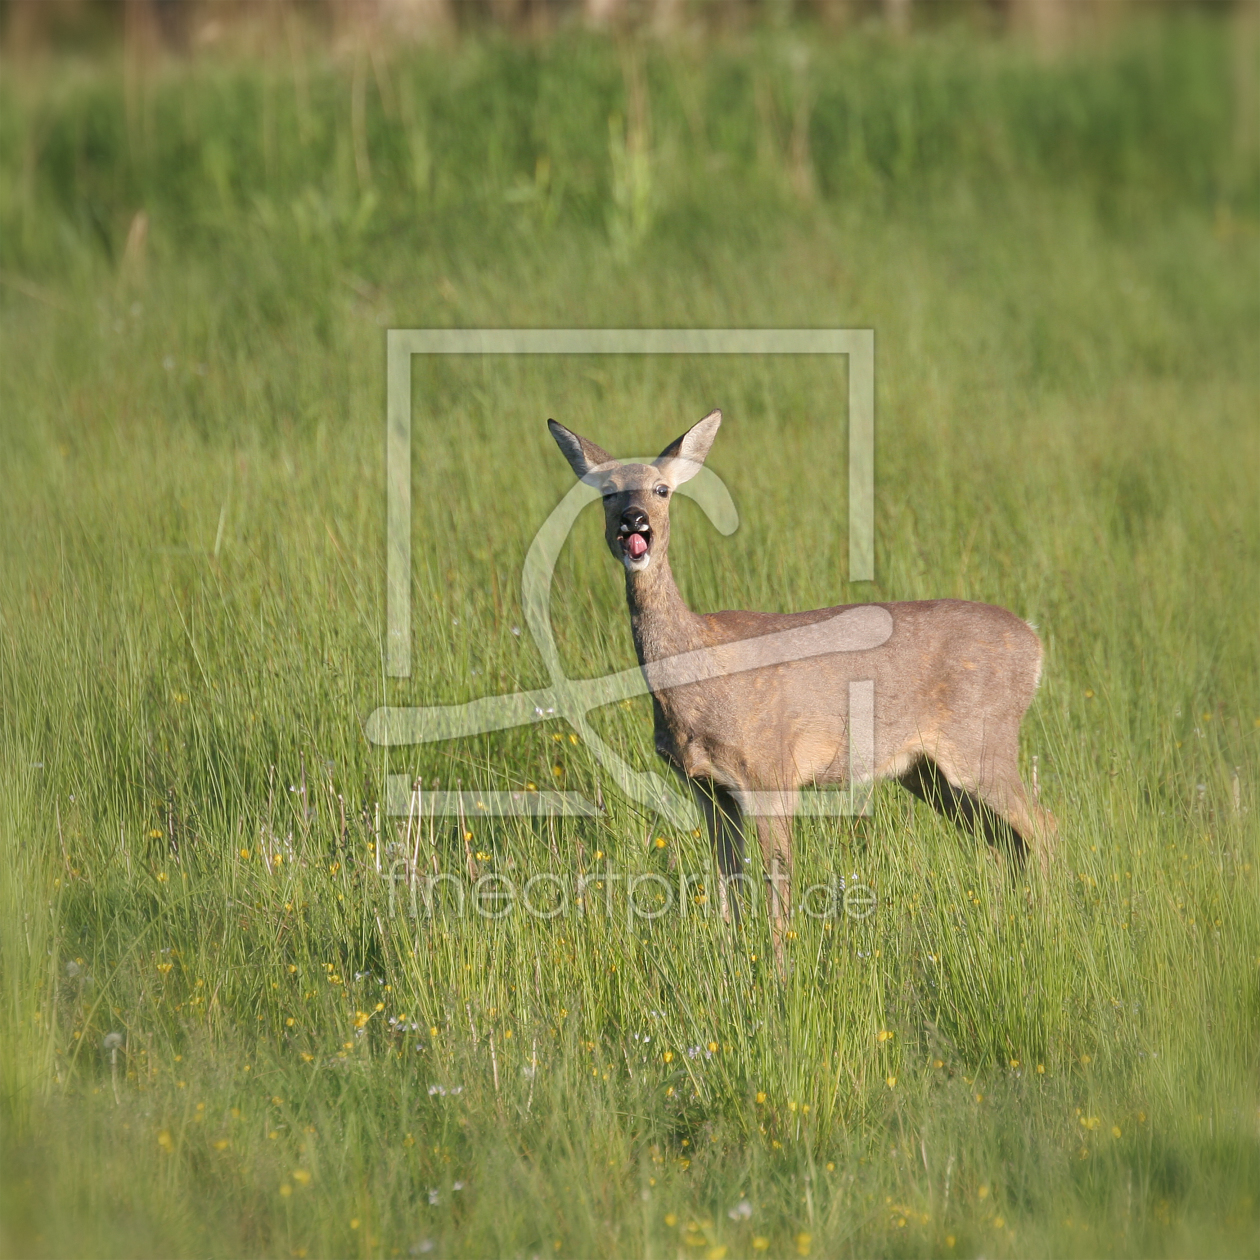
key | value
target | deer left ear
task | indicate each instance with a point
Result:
(683, 457)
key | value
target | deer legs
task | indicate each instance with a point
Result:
(774, 835)
(725, 824)
(997, 808)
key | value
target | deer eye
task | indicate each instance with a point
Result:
(662, 491)
(609, 491)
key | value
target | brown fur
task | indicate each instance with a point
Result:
(952, 683)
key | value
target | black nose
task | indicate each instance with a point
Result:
(634, 520)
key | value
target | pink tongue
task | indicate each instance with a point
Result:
(636, 545)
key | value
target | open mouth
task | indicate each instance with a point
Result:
(635, 543)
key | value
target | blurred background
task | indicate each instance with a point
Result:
(185, 24)
(184, 116)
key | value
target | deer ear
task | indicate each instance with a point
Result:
(682, 458)
(584, 457)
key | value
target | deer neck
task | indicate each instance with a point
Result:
(660, 621)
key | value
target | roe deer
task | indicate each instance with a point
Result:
(952, 681)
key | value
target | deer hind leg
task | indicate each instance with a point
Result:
(774, 835)
(1003, 792)
(1036, 825)
(996, 807)
(725, 824)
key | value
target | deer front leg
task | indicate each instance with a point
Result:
(726, 833)
(774, 834)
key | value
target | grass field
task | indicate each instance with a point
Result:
(221, 1036)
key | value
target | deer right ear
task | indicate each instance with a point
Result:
(586, 459)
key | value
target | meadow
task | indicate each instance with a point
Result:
(224, 1033)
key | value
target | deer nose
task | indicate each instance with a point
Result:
(634, 520)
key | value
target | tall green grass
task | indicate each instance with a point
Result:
(1059, 261)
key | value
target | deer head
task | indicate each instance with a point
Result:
(636, 496)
